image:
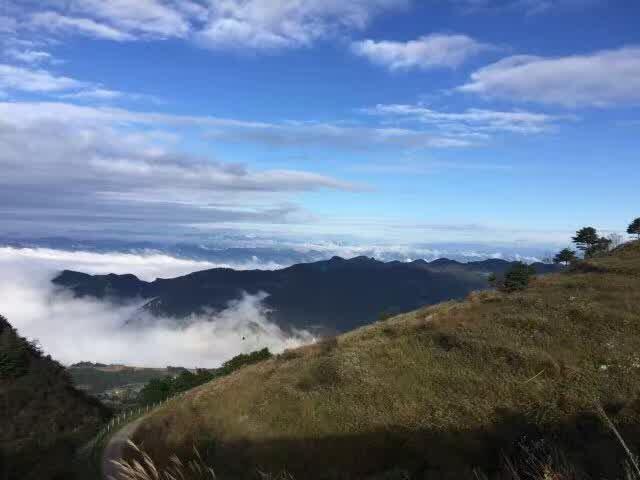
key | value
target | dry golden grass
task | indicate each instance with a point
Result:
(625, 259)
(439, 391)
(143, 467)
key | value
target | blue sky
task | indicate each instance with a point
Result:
(408, 121)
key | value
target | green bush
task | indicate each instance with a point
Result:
(518, 277)
(243, 359)
(159, 389)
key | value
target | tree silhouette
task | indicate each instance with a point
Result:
(601, 246)
(586, 238)
(634, 228)
(565, 256)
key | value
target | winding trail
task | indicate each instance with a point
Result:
(115, 449)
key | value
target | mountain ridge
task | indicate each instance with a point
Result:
(338, 294)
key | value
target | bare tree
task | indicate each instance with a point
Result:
(616, 240)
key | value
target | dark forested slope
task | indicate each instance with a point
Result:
(42, 417)
(335, 294)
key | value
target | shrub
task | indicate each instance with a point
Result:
(515, 279)
(243, 359)
(518, 277)
(159, 389)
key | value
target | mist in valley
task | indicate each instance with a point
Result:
(85, 329)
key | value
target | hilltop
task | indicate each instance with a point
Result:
(335, 295)
(446, 391)
(43, 418)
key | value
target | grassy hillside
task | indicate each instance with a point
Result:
(43, 418)
(439, 392)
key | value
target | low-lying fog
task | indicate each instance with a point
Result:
(73, 330)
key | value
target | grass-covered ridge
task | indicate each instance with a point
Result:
(437, 392)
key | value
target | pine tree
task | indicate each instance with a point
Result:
(634, 228)
(586, 238)
(565, 256)
(518, 277)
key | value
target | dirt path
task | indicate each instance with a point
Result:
(115, 449)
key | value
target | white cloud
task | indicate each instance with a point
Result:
(96, 94)
(101, 94)
(73, 330)
(28, 56)
(137, 17)
(236, 24)
(30, 80)
(472, 120)
(427, 52)
(600, 79)
(260, 25)
(54, 22)
(38, 80)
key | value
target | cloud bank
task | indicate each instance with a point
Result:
(29, 80)
(73, 330)
(600, 79)
(238, 24)
(103, 165)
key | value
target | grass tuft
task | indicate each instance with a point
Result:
(142, 467)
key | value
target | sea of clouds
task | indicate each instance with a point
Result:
(73, 330)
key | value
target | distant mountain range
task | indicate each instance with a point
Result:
(271, 253)
(334, 295)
